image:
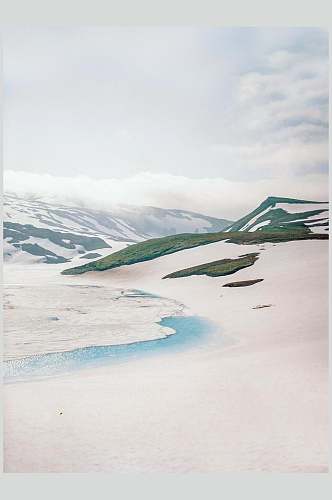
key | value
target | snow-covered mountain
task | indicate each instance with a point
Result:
(285, 213)
(46, 232)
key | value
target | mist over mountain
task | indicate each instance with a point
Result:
(55, 233)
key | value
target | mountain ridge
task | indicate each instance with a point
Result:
(56, 233)
(284, 213)
(277, 233)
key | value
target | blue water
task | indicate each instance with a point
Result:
(190, 331)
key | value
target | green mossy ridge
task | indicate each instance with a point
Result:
(282, 220)
(157, 247)
(217, 268)
(273, 236)
(235, 284)
(148, 250)
(278, 216)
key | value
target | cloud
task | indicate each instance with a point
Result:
(238, 104)
(212, 196)
(281, 117)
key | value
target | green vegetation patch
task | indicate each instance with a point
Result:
(35, 249)
(280, 236)
(217, 268)
(157, 247)
(148, 250)
(235, 284)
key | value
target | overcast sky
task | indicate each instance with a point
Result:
(211, 120)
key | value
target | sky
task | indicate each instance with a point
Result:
(206, 119)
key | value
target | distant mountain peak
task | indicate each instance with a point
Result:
(272, 200)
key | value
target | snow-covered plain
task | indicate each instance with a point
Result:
(257, 403)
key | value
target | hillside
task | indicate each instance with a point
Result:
(35, 231)
(270, 222)
(277, 213)
(154, 248)
(121, 223)
(24, 242)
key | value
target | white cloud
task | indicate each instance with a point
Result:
(112, 102)
(212, 120)
(286, 102)
(211, 196)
